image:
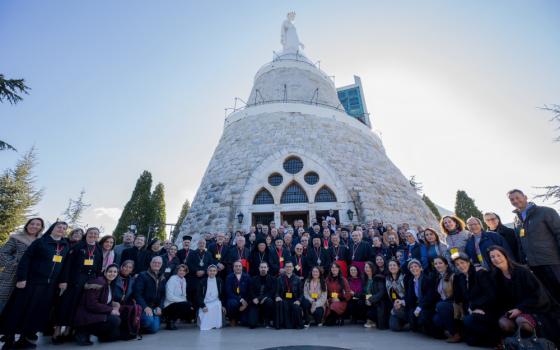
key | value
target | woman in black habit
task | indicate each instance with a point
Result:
(289, 295)
(85, 261)
(38, 277)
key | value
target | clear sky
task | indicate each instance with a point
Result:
(122, 86)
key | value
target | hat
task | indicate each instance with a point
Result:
(259, 241)
(278, 238)
(187, 238)
(413, 261)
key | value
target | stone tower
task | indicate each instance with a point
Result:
(294, 153)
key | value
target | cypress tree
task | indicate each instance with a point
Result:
(181, 218)
(432, 206)
(465, 207)
(158, 211)
(138, 210)
(18, 195)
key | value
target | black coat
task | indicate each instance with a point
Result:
(76, 272)
(37, 266)
(201, 292)
(144, 259)
(183, 255)
(509, 235)
(293, 285)
(275, 257)
(301, 265)
(131, 254)
(219, 253)
(313, 258)
(194, 262)
(255, 260)
(428, 293)
(478, 293)
(261, 290)
(149, 290)
(340, 253)
(540, 238)
(362, 252)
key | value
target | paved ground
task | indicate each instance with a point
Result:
(353, 337)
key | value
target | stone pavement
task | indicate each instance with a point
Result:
(354, 337)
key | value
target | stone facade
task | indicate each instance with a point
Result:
(284, 119)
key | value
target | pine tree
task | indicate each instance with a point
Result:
(432, 206)
(182, 216)
(138, 211)
(9, 90)
(18, 194)
(158, 211)
(75, 210)
(465, 207)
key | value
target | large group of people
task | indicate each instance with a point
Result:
(476, 281)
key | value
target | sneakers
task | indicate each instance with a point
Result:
(320, 325)
(368, 324)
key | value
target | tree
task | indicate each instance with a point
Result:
(158, 212)
(18, 194)
(138, 210)
(432, 206)
(184, 211)
(552, 192)
(416, 184)
(9, 91)
(75, 210)
(465, 207)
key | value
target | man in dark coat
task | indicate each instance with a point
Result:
(239, 252)
(538, 231)
(301, 266)
(279, 255)
(237, 294)
(149, 292)
(219, 252)
(318, 256)
(132, 253)
(262, 293)
(198, 262)
(259, 255)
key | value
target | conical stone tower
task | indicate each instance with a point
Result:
(294, 153)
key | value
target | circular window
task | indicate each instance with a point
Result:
(311, 178)
(275, 179)
(293, 165)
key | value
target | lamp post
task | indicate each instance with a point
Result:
(350, 214)
(240, 218)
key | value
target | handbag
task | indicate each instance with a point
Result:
(516, 342)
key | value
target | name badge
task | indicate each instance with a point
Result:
(57, 258)
(454, 252)
(237, 290)
(167, 270)
(88, 262)
(298, 268)
(394, 296)
(288, 295)
(218, 256)
(282, 259)
(314, 295)
(522, 232)
(334, 295)
(368, 296)
(479, 257)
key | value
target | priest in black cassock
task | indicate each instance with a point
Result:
(301, 267)
(339, 254)
(289, 295)
(259, 255)
(360, 251)
(279, 255)
(318, 256)
(219, 252)
(198, 262)
(262, 294)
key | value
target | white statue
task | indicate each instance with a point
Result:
(288, 35)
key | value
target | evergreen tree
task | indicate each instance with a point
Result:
(75, 210)
(465, 207)
(18, 195)
(182, 216)
(158, 211)
(9, 90)
(138, 210)
(432, 206)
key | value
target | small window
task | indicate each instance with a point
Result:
(311, 178)
(325, 195)
(275, 179)
(263, 197)
(294, 194)
(293, 165)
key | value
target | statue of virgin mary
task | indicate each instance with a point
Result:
(288, 36)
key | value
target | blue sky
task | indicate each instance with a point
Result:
(123, 86)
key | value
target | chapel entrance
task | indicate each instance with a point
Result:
(262, 218)
(290, 216)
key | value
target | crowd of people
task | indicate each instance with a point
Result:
(472, 281)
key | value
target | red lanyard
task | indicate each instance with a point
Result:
(240, 253)
(187, 255)
(219, 249)
(90, 252)
(299, 261)
(288, 286)
(58, 249)
(125, 287)
(279, 252)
